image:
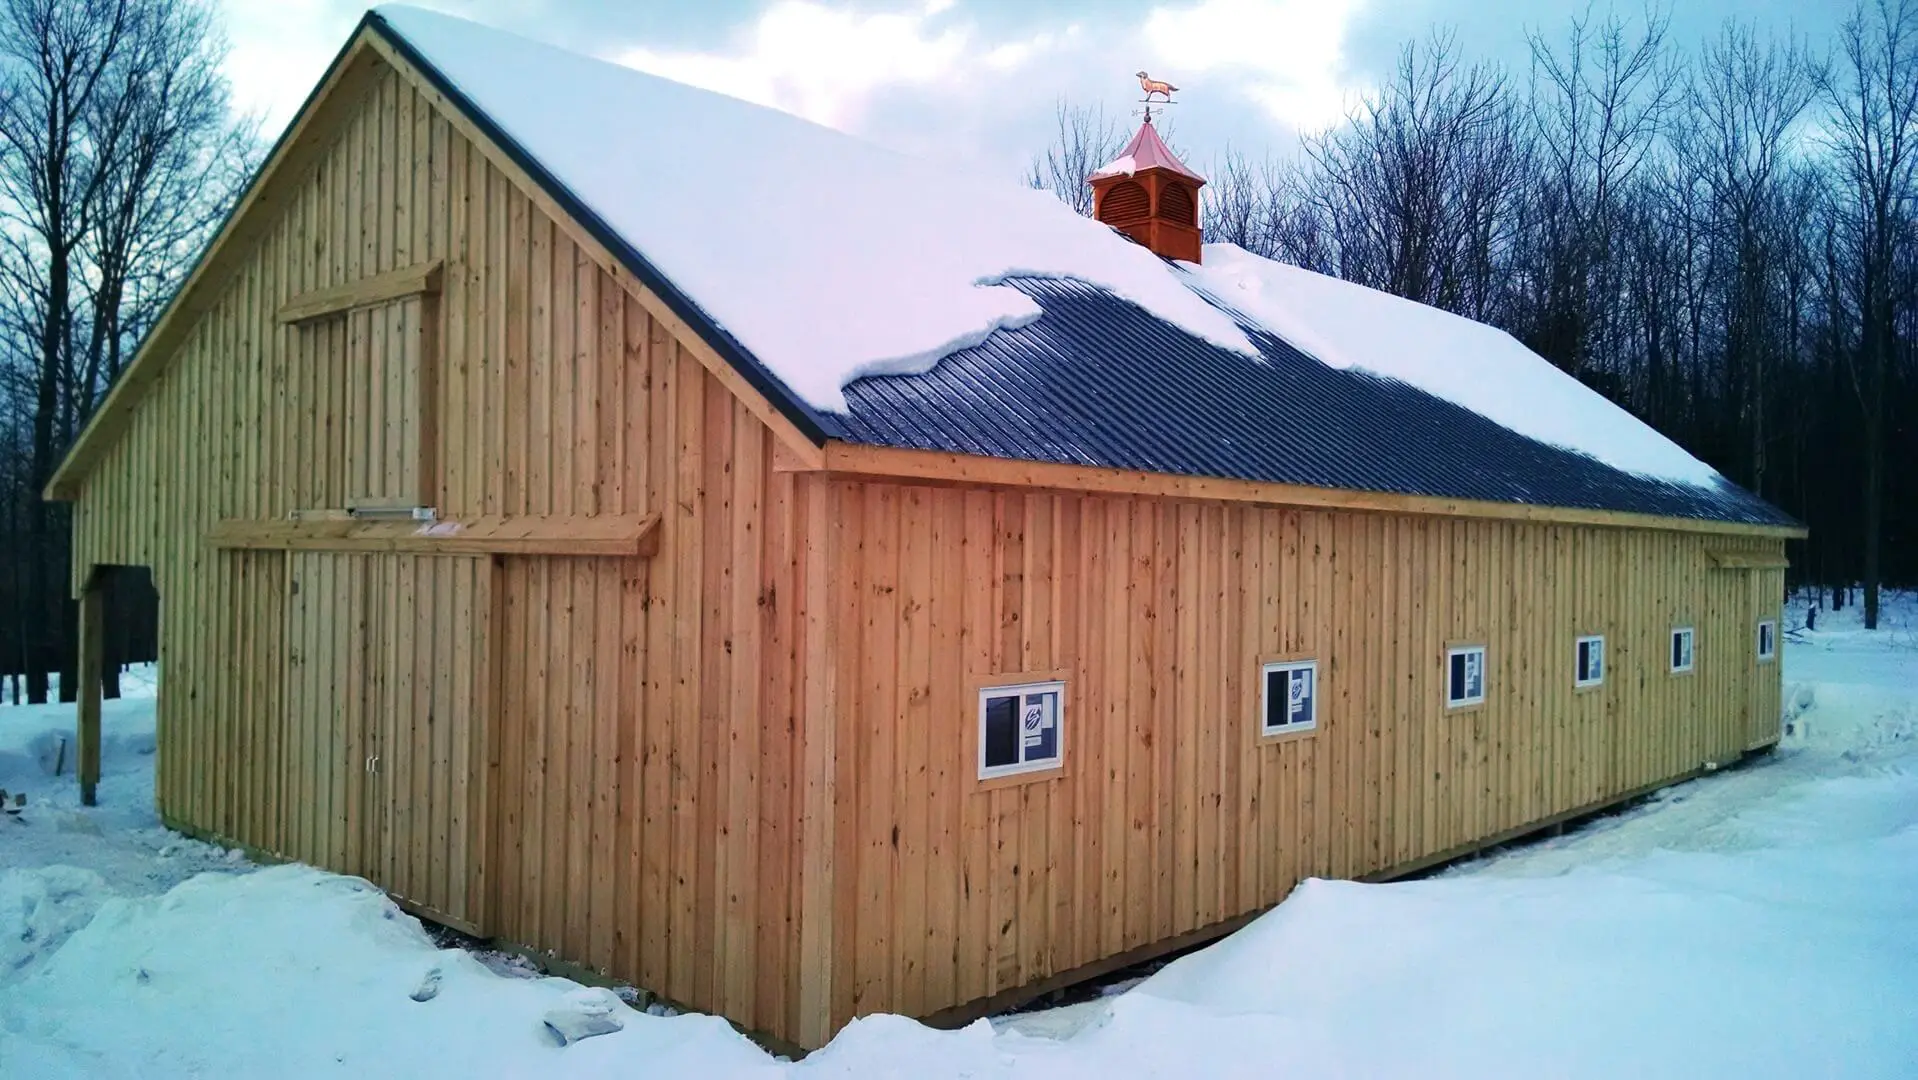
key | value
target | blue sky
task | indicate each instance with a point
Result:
(978, 79)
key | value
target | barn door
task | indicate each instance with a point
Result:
(323, 782)
(1761, 597)
(388, 682)
(426, 732)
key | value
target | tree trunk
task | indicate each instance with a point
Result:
(1874, 518)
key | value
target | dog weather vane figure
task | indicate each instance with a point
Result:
(1153, 86)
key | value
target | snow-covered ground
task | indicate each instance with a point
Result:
(1760, 922)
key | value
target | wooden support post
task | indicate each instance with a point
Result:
(92, 652)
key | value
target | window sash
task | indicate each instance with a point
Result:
(1297, 698)
(1682, 649)
(1024, 723)
(1589, 661)
(1767, 639)
(1464, 676)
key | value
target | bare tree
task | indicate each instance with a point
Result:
(1084, 141)
(1870, 93)
(1414, 192)
(117, 156)
(1740, 107)
(1597, 101)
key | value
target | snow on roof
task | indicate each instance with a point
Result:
(1468, 363)
(827, 257)
(830, 259)
(1146, 151)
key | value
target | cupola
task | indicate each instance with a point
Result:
(1148, 194)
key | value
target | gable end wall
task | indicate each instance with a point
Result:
(628, 786)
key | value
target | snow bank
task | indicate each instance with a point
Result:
(1467, 363)
(828, 257)
(293, 972)
(40, 907)
(1757, 923)
(121, 839)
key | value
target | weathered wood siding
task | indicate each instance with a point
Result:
(617, 785)
(387, 679)
(1169, 814)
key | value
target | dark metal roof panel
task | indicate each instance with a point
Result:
(1099, 381)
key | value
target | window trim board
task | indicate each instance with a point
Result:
(1290, 661)
(1690, 631)
(1460, 648)
(1604, 661)
(977, 687)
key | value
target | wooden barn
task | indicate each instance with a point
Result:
(650, 530)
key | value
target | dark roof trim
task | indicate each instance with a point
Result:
(810, 423)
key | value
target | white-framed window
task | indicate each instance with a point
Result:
(1291, 697)
(1767, 640)
(1590, 661)
(1021, 728)
(1464, 675)
(1681, 649)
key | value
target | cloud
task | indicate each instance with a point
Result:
(1288, 56)
(827, 63)
(280, 50)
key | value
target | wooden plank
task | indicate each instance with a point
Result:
(1748, 560)
(420, 279)
(92, 653)
(610, 535)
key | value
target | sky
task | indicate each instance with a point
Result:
(980, 80)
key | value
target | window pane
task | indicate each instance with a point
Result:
(1678, 650)
(1299, 707)
(1598, 660)
(1039, 727)
(1455, 689)
(1584, 661)
(1475, 674)
(1276, 699)
(1002, 731)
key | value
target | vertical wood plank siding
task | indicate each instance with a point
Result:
(740, 773)
(1170, 814)
(633, 782)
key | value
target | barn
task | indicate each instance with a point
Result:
(805, 581)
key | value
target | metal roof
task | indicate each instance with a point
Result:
(1098, 381)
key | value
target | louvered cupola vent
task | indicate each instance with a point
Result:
(1175, 204)
(1125, 202)
(1148, 194)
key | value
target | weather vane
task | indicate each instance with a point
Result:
(1153, 86)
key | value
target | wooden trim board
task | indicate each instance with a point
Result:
(421, 280)
(615, 535)
(854, 460)
(1747, 560)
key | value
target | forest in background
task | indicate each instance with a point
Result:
(119, 157)
(1718, 236)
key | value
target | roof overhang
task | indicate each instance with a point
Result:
(860, 461)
